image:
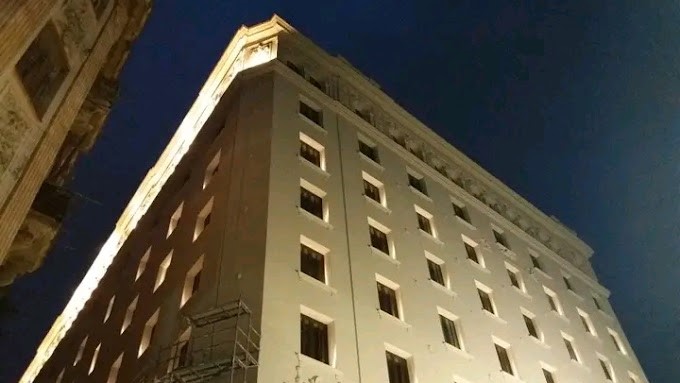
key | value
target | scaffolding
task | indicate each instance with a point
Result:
(221, 341)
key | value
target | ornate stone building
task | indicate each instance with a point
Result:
(59, 68)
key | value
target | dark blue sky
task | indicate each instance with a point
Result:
(576, 107)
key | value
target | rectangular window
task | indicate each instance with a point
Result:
(129, 314)
(163, 270)
(500, 239)
(569, 344)
(461, 211)
(535, 262)
(472, 253)
(203, 219)
(314, 339)
(567, 283)
(553, 301)
(515, 278)
(115, 369)
(174, 219)
(425, 221)
(617, 341)
(379, 239)
(597, 303)
(212, 169)
(317, 84)
(436, 273)
(297, 69)
(312, 151)
(504, 359)
(585, 320)
(417, 182)
(95, 355)
(313, 114)
(387, 297)
(485, 298)
(81, 350)
(373, 189)
(397, 368)
(148, 333)
(192, 281)
(312, 263)
(549, 378)
(531, 326)
(606, 370)
(369, 150)
(311, 202)
(450, 331)
(109, 308)
(142, 263)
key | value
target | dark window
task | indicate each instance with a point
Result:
(435, 272)
(378, 239)
(370, 151)
(553, 304)
(311, 202)
(513, 279)
(417, 183)
(586, 325)
(531, 326)
(461, 212)
(295, 68)
(317, 84)
(196, 283)
(424, 223)
(397, 368)
(310, 154)
(597, 303)
(616, 343)
(313, 338)
(313, 114)
(548, 376)
(570, 349)
(535, 262)
(504, 359)
(500, 239)
(183, 354)
(372, 191)
(450, 332)
(312, 263)
(388, 300)
(471, 253)
(487, 305)
(43, 68)
(206, 220)
(568, 283)
(605, 369)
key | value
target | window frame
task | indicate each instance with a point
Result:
(416, 182)
(399, 355)
(188, 288)
(569, 341)
(314, 317)
(379, 186)
(373, 154)
(587, 323)
(311, 111)
(212, 169)
(454, 322)
(148, 333)
(174, 219)
(553, 301)
(319, 249)
(163, 270)
(488, 292)
(431, 258)
(306, 186)
(507, 351)
(394, 298)
(315, 145)
(521, 286)
(203, 218)
(538, 334)
(461, 211)
(375, 225)
(427, 221)
(470, 244)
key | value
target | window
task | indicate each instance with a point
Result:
(128, 315)
(571, 350)
(312, 151)
(435, 269)
(450, 331)
(43, 68)
(81, 350)
(499, 237)
(297, 69)
(115, 369)
(597, 303)
(174, 219)
(312, 263)
(531, 325)
(485, 298)
(425, 221)
(313, 114)
(567, 283)
(387, 297)
(606, 369)
(314, 338)
(617, 341)
(585, 320)
(212, 169)
(60, 377)
(549, 378)
(553, 301)
(397, 368)
(192, 282)
(180, 351)
(317, 84)
(378, 234)
(515, 277)
(148, 333)
(142, 263)
(374, 189)
(535, 262)
(162, 270)
(203, 218)
(109, 308)
(95, 355)
(471, 252)
(461, 211)
(504, 359)
(311, 201)
(417, 182)
(369, 150)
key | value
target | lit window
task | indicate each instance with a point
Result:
(312, 151)
(571, 350)
(417, 183)
(369, 150)
(128, 315)
(617, 341)
(312, 262)
(397, 368)
(549, 378)
(553, 301)
(472, 254)
(461, 211)
(115, 369)
(387, 297)
(515, 277)
(378, 234)
(435, 268)
(485, 297)
(311, 113)
(314, 338)
(311, 199)
(212, 169)
(587, 323)
(163, 270)
(504, 359)
(373, 189)
(450, 331)
(148, 333)
(109, 308)
(142, 263)
(81, 350)
(499, 237)
(606, 369)
(95, 355)
(203, 219)
(174, 219)
(192, 282)
(425, 221)
(531, 325)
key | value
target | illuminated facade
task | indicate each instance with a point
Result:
(302, 227)
(59, 68)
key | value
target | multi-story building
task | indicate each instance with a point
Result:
(302, 227)
(59, 68)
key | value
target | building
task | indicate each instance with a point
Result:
(301, 227)
(59, 68)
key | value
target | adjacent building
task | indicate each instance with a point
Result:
(300, 226)
(59, 68)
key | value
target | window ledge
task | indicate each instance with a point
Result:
(561, 316)
(605, 314)
(431, 237)
(439, 286)
(494, 317)
(317, 363)
(478, 266)
(465, 223)
(540, 342)
(387, 257)
(537, 271)
(421, 194)
(575, 295)
(458, 351)
(315, 168)
(312, 123)
(512, 377)
(314, 218)
(400, 322)
(579, 364)
(316, 282)
(377, 204)
(522, 292)
(370, 161)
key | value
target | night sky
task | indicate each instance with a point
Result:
(577, 108)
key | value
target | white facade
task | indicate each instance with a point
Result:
(245, 173)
